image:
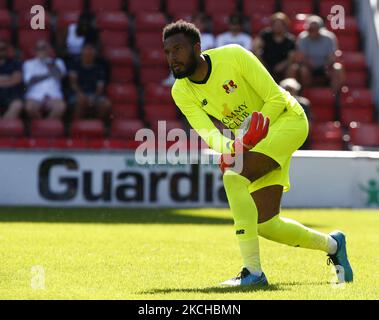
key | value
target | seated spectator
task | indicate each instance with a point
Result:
(275, 44)
(235, 35)
(208, 41)
(76, 34)
(42, 78)
(294, 87)
(87, 81)
(10, 85)
(315, 62)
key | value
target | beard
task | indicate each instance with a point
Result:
(189, 69)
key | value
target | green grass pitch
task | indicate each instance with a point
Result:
(170, 254)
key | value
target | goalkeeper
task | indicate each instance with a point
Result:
(230, 84)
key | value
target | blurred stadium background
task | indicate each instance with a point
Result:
(72, 157)
(128, 41)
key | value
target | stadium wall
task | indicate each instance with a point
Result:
(114, 179)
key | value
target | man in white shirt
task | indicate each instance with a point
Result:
(235, 35)
(42, 76)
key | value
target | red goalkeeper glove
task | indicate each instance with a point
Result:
(257, 131)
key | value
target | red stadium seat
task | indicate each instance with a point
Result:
(182, 15)
(47, 128)
(126, 129)
(72, 143)
(157, 94)
(138, 6)
(215, 7)
(25, 5)
(148, 40)
(121, 74)
(119, 56)
(11, 128)
(39, 143)
(155, 112)
(357, 98)
(8, 142)
(259, 22)
(326, 5)
(348, 43)
(6, 35)
(220, 23)
(298, 23)
(122, 93)
(322, 114)
(153, 57)
(62, 6)
(87, 129)
(115, 144)
(320, 97)
(356, 79)
(359, 114)
(5, 19)
(28, 38)
(122, 111)
(66, 18)
(108, 5)
(150, 21)
(153, 75)
(170, 124)
(262, 7)
(114, 38)
(364, 134)
(326, 132)
(112, 21)
(337, 146)
(293, 7)
(353, 61)
(189, 6)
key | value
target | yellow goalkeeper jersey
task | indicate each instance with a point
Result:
(236, 85)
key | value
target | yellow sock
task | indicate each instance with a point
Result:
(292, 233)
(245, 216)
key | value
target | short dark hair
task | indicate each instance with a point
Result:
(181, 26)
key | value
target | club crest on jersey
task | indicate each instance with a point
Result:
(229, 86)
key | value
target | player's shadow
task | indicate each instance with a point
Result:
(107, 215)
(221, 290)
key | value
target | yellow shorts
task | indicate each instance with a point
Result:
(285, 136)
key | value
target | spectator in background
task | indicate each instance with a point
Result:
(208, 41)
(87, 81)
(275, 45)
(76, 35)
(10, 85)
(294, 87)
(235, 35)
(42, 78)
(315, 61)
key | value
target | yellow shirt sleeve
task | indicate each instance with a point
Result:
(201, 123)
(253, 71)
